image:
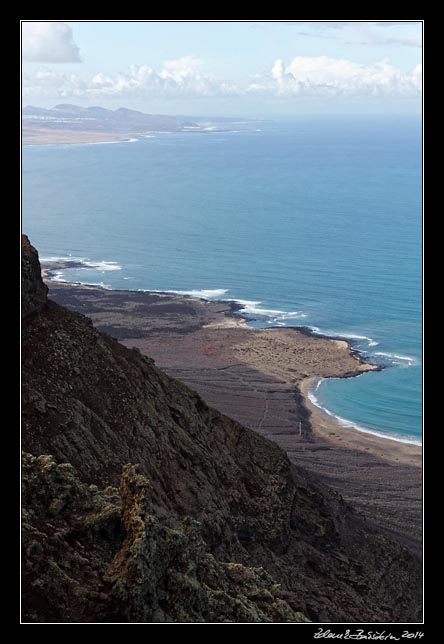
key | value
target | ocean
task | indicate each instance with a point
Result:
(310, 222)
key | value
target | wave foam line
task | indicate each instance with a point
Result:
(103, 266)
(251, 307)
(58, 277)
(85, 263)
(102, 142)
(207, 294)
(344, 422)
(396, 358)
(81, 143)
(370, 342)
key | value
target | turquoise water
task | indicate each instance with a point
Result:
(314, 222)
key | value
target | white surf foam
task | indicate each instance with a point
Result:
(83, 143)
(102, 266)
(351, 424)
(370, 342)
(85, 263)
(58, 277)
(108, 287)
(101, 142)
(396, 358)
(105, 142)
(207, 294)
(252, 307)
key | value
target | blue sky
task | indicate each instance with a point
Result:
(230, 68)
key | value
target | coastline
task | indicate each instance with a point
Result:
(259, 378)
(329, 429)
(54, 136)
(325, 426)
(48, 136)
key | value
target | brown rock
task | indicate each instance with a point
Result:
(34, 291)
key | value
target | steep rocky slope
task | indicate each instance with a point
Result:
(140, 556)
(34, 291)
(94, 555)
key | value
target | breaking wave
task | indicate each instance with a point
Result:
(344, 422)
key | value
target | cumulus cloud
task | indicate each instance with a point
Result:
(181, 68)
(183, 77)
(49, 83)
(417, 77)
(320, 75)
(49, 42)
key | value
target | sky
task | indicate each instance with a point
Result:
(225, 68)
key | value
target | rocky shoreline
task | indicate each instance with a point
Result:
(260, 377)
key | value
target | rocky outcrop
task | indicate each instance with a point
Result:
(34, 290)
(93, 555)
(91, 402)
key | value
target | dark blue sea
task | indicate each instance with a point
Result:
(311, 222)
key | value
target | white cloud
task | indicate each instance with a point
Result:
(178, 78)
(401, 33)
(49, 83)
(388, 33)
(417, 77)
(323, 76)
(303, 76)
(181, 68)
(49, 42)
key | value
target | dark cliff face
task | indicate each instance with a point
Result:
(98, 406)
(34, 290)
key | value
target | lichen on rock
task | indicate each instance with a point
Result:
(92, 555)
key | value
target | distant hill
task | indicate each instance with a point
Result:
(98, 119)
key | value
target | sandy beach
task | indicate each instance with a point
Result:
(47, 136)
(260, 377)
(329, 429)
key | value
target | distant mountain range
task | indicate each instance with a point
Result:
(66, 123)
(99, 119)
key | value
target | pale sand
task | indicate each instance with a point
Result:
(46, 136)
(295, 358)
(231, 322)
(291, 355)
(331, 431)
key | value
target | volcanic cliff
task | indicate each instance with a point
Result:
(143, 504)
